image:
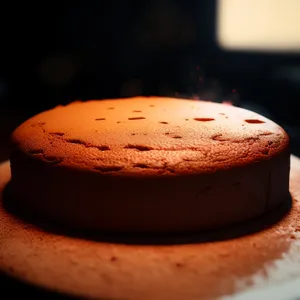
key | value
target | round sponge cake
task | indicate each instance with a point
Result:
(149, 164)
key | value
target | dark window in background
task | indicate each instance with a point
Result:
(55, 53)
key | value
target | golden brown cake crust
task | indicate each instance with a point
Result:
(138, 159)
(149, 136)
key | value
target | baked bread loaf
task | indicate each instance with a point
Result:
(149, 164)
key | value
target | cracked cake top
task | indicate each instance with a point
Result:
(149, 135)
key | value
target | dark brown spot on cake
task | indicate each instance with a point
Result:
(58, 133)
(36, 151)
(249, 140)
(38, 124)
(136, 118)
(110, 108)
(171, 170)
(265, 133)
(151, 105)
(163, 122)
(103, 148)
(118, 122)
(266, 151)
(137, 111)
(142, 166)
(75, 141)
(218, 137)
(204, 119)
(105, 169)
(84, 144)
(100, 119)
(186, 119)
(177, 137)
(254, 121)
(179, 265)
(139, 147)
(187, 159)
(113, 258)
(53, 160)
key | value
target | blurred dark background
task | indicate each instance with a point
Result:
(56, 53)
